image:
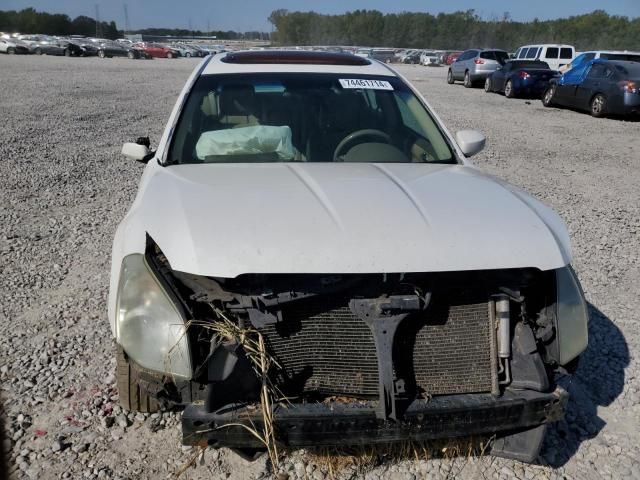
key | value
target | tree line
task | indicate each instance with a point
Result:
(459, 30)
(31, 21)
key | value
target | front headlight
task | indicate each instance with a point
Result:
(149, 326)
(572, 316)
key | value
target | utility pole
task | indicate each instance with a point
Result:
(126, 20)
(98, 32)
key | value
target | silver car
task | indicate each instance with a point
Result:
(475, 65)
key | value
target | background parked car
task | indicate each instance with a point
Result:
(13, 46)
(476, 65)
(53, 46)
(114, 49)
(156, 50)
(412, 57)
(429, 59)
(554, 54)
(520, 77)
(451, 57)
(603, 54)
(602, 87)
(87, 48)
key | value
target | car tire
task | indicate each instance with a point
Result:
(67, 52)
(547, 97)
(467, 80)
(509, 92)
(131, 55)
(487, 85)
(11, 51)
(169, 55)
(188, 55)
(450, 79)
(101, 54)
(131, 396)
(598, 106)
(38, 51)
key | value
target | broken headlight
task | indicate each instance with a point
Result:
(572, 316)
(149, 325)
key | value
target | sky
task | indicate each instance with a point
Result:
(246, 15)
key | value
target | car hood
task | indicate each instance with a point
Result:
(229, 219)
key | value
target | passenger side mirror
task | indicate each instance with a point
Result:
(470, 142)
(138, 151)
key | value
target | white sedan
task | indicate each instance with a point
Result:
(314, 204)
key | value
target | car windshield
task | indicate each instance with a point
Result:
(305, 117)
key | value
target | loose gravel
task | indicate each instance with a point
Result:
(64, 187)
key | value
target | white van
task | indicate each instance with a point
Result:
(584, 57)
(555, 55)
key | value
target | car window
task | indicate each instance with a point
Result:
(523, 53)
(597, 71)
(621, 56)
(502, 57)
(532, 53)
(498, 56)
(566, 53)
(552, 52)
(305, 117)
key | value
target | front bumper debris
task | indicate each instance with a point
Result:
(331, 424)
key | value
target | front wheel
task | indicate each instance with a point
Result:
(131, 396)
(38, 51)
(599, 106)
(509, 92)
(67, 52)
(467, 80)
(450, 79)
(101, 54)
(547, 98)
(487, 85)
(188, 55)
(131, 55)
(169, 55)
(11, 51)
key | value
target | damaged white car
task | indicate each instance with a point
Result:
(315, 202)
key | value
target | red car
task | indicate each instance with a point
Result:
(452, 57)
(156, 50)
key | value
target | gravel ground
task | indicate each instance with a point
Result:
(64, 187)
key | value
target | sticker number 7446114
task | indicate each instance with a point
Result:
(364, 83)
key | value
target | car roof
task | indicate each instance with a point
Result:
(292, 61)
(563, 45)
(623, 63)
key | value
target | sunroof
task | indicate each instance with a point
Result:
(294, 57)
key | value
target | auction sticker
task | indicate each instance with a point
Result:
(364, 83)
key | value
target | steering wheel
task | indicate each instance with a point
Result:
(356, 135)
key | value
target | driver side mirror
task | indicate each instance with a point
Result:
(470, 142)
(138, 151)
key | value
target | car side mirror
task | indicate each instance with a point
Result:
(470, 142)
(138, 151)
